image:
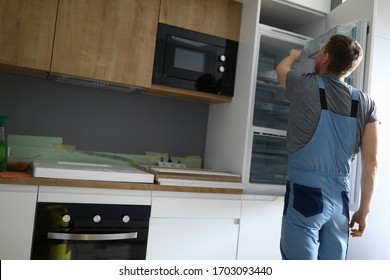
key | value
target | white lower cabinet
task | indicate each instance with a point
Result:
(183, 226)
(194, 227)
(260, 226)
(17, 211)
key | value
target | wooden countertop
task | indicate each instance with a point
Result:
(114, 185)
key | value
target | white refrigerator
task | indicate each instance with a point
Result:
(267, 158)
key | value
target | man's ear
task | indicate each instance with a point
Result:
(325, 58)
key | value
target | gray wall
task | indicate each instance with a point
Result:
(102, 120)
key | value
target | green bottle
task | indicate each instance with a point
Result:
(3, 144)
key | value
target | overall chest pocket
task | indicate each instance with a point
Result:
(307, 200)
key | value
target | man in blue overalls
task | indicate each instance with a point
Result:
(329, 123)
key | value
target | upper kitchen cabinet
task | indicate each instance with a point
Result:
(295, 15)
(112, 41)
(27, 31)
(220, 18)
(318, 6)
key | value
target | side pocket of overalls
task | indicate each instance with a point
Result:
(286, 198)
(345, 198)
(307, 200)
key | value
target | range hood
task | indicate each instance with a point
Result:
(92, 83)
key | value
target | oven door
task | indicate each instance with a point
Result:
(80, 231)
(90, 245)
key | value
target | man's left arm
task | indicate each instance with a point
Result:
(369, 152)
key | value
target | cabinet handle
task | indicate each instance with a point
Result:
(92, 237)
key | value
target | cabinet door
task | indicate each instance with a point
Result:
(220, 18)
(192, 239)
(260, 227)
(17, 212)
(188, 228)
(27, 31)
(112, 40)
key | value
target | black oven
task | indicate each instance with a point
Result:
(81, 231)
(195, 61)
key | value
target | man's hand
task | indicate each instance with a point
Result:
(286, 65)
(360, 219)
(295, 55)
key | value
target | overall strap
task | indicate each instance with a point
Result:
(321, 86)
(324, 105)
(355, 102)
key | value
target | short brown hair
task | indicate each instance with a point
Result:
(345, 54)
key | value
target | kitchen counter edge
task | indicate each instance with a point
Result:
(114, 185)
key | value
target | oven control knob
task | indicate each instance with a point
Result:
(66, 218)
(97, 218)
(222, 58)
(126, 218)
(221, 69)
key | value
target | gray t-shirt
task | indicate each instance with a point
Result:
(305, 108)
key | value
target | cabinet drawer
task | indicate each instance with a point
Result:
(93, 195)
(195, 208)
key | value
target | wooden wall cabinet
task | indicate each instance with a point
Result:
(26, 33)
(109, 41)
(112, 41)
(220, 18)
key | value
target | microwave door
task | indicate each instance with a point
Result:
(188, 58)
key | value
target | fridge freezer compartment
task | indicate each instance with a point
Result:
(267, 76)
(271, 106)
(267, 171)
(269, 159)
(274, 121)
(270, 89)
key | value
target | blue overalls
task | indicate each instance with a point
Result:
(315, 222)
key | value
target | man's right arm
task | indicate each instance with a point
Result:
(286, 65)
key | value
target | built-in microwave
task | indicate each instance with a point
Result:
(194, 61)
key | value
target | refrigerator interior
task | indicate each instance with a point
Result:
(268, 163)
